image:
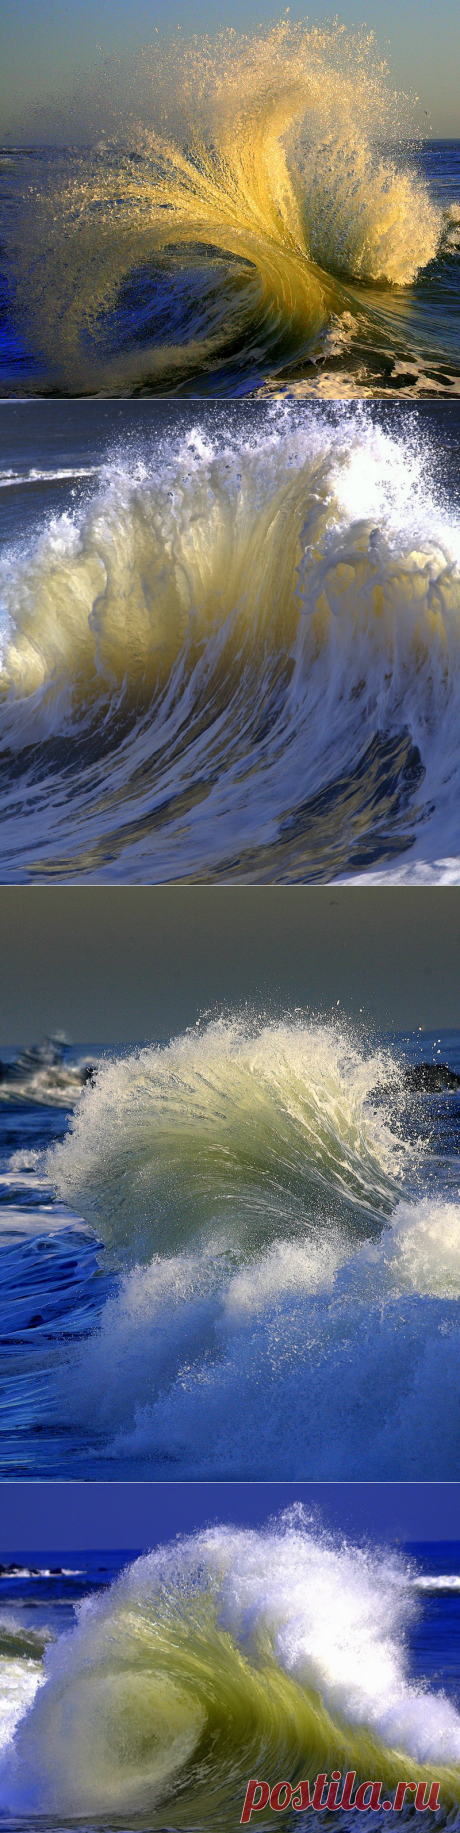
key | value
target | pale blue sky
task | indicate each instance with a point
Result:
(46, 47)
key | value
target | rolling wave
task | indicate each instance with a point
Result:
(235, 1653)
(241, 1253)
(210, 234)
(317, 1352)
(284, 1260)
(43, 1076)
(238, 657)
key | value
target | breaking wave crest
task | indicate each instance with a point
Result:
(239, 657)
(234, 1653)
(286, 1272)
(245, 1128)
(239, 184)
(310, 1355)
(283, 1255)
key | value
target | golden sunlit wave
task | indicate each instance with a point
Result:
(248, 171)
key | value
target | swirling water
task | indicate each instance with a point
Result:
(230, 641)
(276, 1652)
(242, 212)
(235, 1252)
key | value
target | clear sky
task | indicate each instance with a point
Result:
(49, 1517)
(123, 964)
(45, 48)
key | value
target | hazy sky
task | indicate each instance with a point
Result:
(45, 48)
(137, 1516)
(114, 964)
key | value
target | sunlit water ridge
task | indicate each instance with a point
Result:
(232, 1653)
(246, 210)
(240, 1245)
(235, 652)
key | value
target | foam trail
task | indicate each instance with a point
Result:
(9, 480)
(233, 1653)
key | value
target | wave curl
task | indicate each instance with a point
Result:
(242, 181)
(231, 1654)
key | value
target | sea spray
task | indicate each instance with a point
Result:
(311, 1354)
(239, 184)
(244, 1254)
(226, 1650)
(266, 1204)
(238, 657)
(241, 1127)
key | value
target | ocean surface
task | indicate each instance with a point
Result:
(232, 1252)
(143, 1693)
(229, 641)
(229, 216)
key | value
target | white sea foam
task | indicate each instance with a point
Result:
(306, 1632)
(287, 1288)
(239, 626)
(308, 1357)
(242, 1126)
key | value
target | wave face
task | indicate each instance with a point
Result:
(237, 657)
(226, 219)
(234, 1653)
(282, 1241)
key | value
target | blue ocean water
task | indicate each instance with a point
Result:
(434, 1640)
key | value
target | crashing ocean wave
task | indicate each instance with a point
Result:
(211, 233)
(285, 1271)
(233, 1653)
(239, 657)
